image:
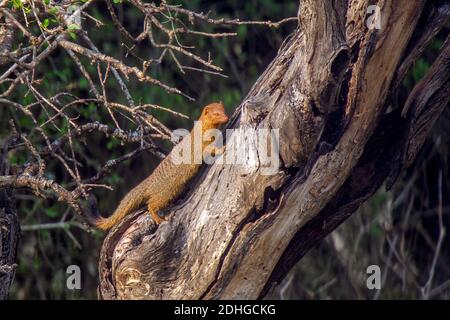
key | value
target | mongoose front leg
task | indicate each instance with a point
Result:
(154, 214)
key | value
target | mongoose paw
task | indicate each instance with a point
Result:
(157, 218)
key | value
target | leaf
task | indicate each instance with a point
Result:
(53, 10)
(45, 24)
(17, 4)
(73, 27)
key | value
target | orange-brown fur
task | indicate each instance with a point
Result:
(168, 180)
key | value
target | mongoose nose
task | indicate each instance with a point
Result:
(225, 118)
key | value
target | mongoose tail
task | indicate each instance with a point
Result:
(131, 202)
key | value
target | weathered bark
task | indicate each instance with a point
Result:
(238, 232)
(7, 34)
(9, 239)
(9, 229)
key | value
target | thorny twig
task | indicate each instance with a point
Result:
(426, 289)
(59, 128)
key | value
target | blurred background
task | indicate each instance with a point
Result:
(396, 229)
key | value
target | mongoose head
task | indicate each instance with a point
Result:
(213, 115)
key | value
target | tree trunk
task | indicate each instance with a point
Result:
(332, 93)
(9, 239)
(9, 230)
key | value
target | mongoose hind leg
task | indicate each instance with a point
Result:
(154, 214)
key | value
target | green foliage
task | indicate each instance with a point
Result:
(52, 212)
(45, 23)
(17, 4)
(53, 10)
